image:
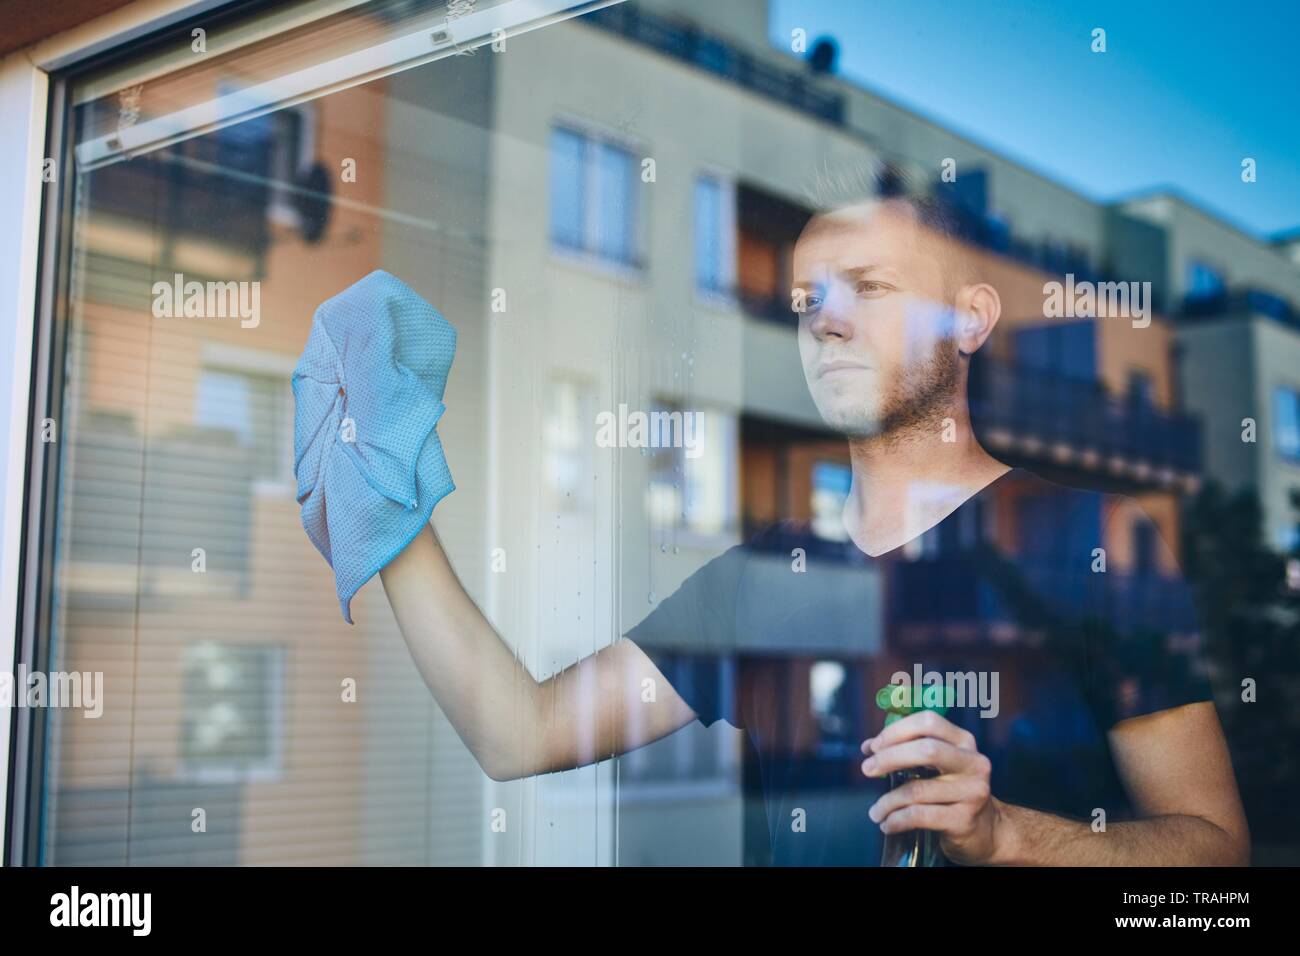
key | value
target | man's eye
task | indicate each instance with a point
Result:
(868, 287)
(806, 302)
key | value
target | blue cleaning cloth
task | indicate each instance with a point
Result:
(367, 396)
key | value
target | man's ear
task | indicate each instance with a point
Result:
(978, 309)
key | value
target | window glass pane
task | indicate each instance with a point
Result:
(708, 239)
(693, 469)
(1286, 411)
(606, 428)
(830, 489)
(232, 723)
(1203, 280)
(183, 574)
(710, 471)
(222, 400)
(613, 197)
(567, 180)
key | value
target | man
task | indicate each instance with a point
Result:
(1099, 751)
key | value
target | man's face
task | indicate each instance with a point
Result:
(876, 332)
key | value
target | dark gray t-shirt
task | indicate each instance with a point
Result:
(788, 637)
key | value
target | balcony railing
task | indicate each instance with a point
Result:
(1242, 301)
(1073, 420)
(964, 589)
(979, 588)
(691, 45)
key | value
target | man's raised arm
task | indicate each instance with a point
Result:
(512, 724)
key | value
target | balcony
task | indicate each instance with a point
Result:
(688, 43)
(990, 598)
(1047, 417)
(977, 596)
(1244, 302)
(214, 190)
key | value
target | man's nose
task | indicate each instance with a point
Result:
(831, 320)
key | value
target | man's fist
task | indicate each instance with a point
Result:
(957, 803)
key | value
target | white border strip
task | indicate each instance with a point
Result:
(23, 93)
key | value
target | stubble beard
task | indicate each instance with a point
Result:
(913, 407)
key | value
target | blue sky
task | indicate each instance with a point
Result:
(1184, 91)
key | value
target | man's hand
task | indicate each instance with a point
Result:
(957, 803)
(1175, 763)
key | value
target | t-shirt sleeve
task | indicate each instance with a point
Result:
(1145, 650)
(690, 637)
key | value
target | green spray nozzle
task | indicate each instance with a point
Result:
(900, 700)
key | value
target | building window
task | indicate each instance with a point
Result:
(1203, 281)
(1286, 422)
(291, 160)
(593, 197)
(693, 471)
(231, 726)
(715, 236)
(256, 407)
(831, 691)
(570, 462)
(830, 489)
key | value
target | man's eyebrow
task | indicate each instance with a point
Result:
(851, 273)
(857, 272)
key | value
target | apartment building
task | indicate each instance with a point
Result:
(1239, 338)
